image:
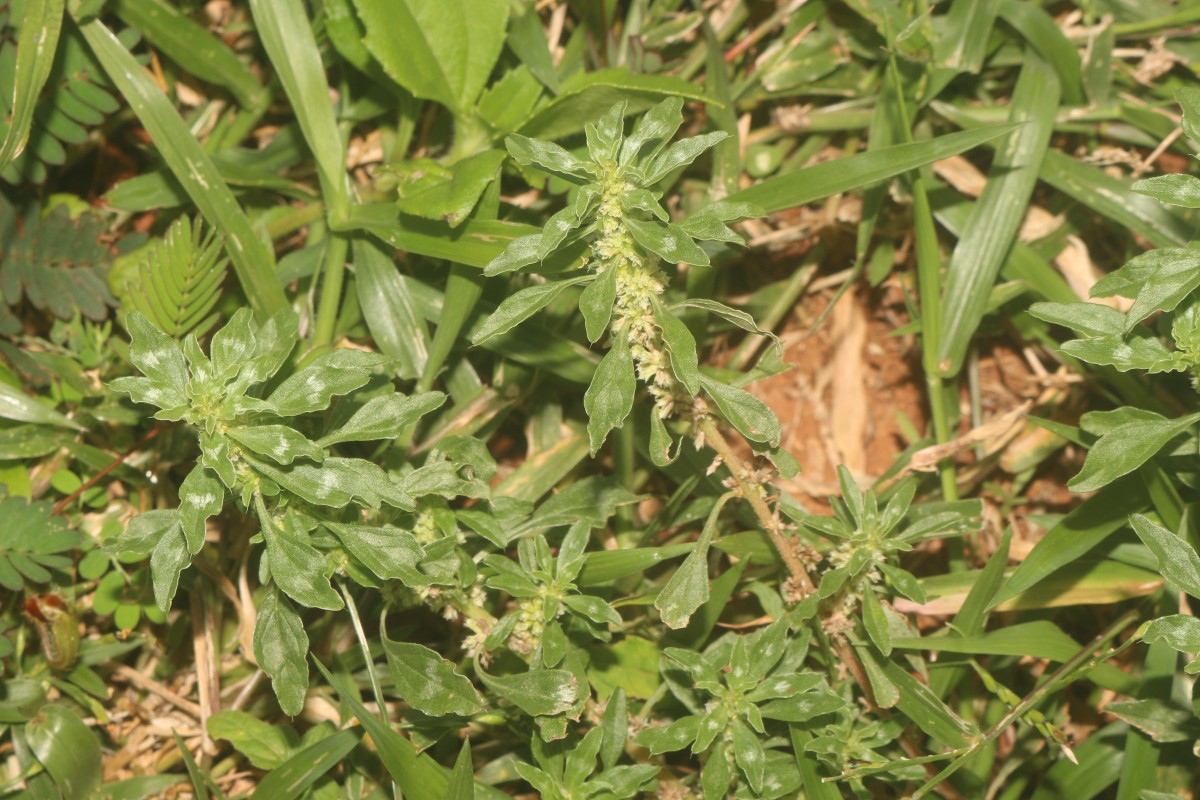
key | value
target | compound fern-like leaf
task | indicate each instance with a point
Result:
(180, 282)
(57, 263)
(32, 542)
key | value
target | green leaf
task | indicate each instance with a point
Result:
(596, 304)
(428, 682)
(442, 51)
(389, 308)
(201, 495)
(748, 751)
(652, 130)
(744, 411)
(549, 157)
(281, 444)
(520, 252)
(609, 398)
(293, 778)
(1177, 560)
(588, 95)
(417, 775)
(18, 406)
(876, 623)
(522, 305)
(685, 363)
(1142, 351)
(384, 417)
(159, 358)
(687, 590)
(1086, 319)
(264, 745)
(1175, 189)
(296, 566)
(428, 189)
(996, 217)
(1125, 448)
(681, 154)
(462, 778)
(253, 261)
(676, 736)
(1180, 632)
(660, 442)
(67, 749)
(666, 240)
(1162, 279)
(832, 177)
(281, 649)
(313, 388)
(391, 553)
(40, 28)
(170, 557)
(542, 692)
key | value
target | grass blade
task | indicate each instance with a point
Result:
(1113, 198)
(822, 180)
(997, 216)
(193, 48)
(1081, 530)
(40, 28)
(288, 38)
(291, 778)
(253, 261)
(418, 776)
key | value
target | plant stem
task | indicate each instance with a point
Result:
(331, 289)
(366, 648)
(752, 492)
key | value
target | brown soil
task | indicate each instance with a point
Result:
(851, 381)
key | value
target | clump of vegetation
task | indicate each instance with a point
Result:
(472, 477)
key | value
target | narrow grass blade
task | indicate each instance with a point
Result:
(1113, 198)
(822, 180)
(963, 43)
(1043, 34)
(192, 47)
(253, 261)
(288, 38)
(997, 215)
(1080, 531)
(389, 308)
(291, 778)
(417, 775)
(40, 28)
(1100, 761)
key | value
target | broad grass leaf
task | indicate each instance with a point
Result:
(1125, 448)
(428, 682)
(281, 649)
(417, 775)
(67, 749)
(293, 778)
(1177, 560)
(441, 50)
